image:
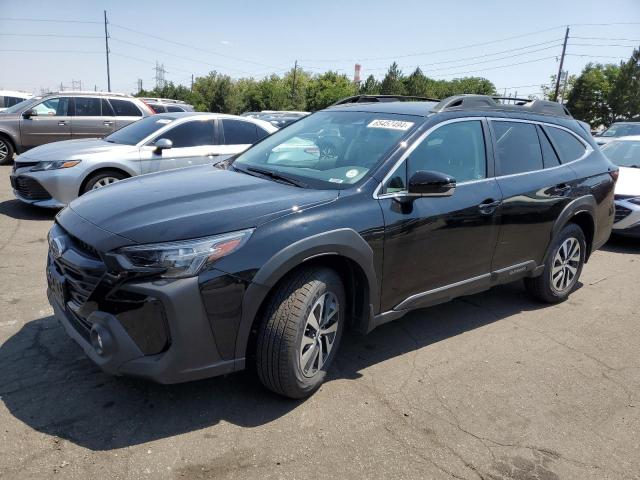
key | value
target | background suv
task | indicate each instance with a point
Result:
(64, 116)
(265, 259)
(52, 175)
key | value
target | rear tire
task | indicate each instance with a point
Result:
(6, 151)
(102, 179)
(562, 268)
(300, 332)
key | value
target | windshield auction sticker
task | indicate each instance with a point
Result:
(390, 124)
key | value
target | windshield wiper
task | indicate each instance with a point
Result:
(275, 175)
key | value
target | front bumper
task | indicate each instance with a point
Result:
(627, 219)
(157, 329)
(49, 189)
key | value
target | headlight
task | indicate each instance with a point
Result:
(185, 258)
(55, 165)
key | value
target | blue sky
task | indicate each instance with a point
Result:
(515, 44)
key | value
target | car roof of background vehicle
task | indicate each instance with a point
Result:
(186, 115)
(88, 93)
(627, 138)
(16, 93)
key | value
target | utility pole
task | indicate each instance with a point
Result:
(564, 86)
(293, 87)
(139, 85)
(106, 43)
(192, 82)
(564, 49)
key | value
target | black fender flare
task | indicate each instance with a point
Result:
(343, 242)
(585, 204)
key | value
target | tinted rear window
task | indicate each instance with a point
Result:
(518, 148)
(569, 147)
(237, 132)
(88, 107)
(125, 108)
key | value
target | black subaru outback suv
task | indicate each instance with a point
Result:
(350, 217)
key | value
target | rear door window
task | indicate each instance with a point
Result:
(517, 147)
(568, 146)
(190, 134)
(237, 132)
(125, 108)
(88, 107)
(171, 108)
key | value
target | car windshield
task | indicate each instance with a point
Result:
(329, 149)
(624, 153)
(622, 130)
(19, 106)
(135, 132)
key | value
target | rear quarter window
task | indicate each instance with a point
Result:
(125, 108)
(568, 146)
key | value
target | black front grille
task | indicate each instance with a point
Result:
(81, 278)
(30, 189)
(621, 213)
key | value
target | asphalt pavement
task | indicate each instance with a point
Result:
(492, 386)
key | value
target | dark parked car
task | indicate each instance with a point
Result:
(352, 216)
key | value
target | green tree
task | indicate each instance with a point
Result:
(370, 86)
(416, 84)
(625, 94)
(589, 99)
(325, 89)
(392, 83)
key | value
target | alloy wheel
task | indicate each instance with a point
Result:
(565, 265)
(104, 181)
(4, 150)
(319, 334)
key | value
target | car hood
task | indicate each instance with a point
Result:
(628, 182)
(190, 203)
(75, 150)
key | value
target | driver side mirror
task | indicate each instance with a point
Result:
(32, 112)
(425, 183)
(162, 144)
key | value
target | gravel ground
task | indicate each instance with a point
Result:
(492, 386)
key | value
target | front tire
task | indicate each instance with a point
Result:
(6, 151)
(102, 179)
(300, 332)
(562, 268)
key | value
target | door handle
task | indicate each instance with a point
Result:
(563, 187)
(213, 154)
(62, 123)
(107, 123)
(489, 206)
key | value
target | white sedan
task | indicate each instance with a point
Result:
(52, 175)
(625, 152)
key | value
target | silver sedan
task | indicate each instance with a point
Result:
(54, 174)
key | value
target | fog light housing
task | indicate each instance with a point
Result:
(100, 340)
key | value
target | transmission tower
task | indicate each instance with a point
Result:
(159, 77)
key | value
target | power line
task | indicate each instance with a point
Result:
(176, 56)
(475, 63)
(48, 20)
(47, 35)
(417, 54)
(189, 46)
(607, 39)
(497, 67)
(47, 51)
